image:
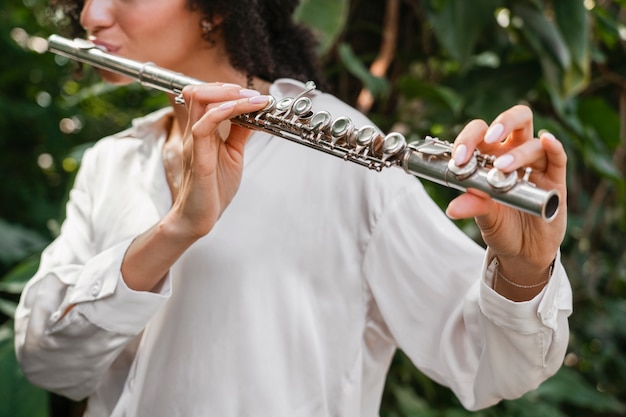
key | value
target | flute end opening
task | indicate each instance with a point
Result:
(552, 207)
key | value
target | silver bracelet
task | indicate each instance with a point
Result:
(515, 284)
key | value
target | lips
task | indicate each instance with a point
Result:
(107, 47)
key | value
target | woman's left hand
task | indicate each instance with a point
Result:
(524, 244)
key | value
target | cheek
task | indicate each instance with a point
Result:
(164, 34)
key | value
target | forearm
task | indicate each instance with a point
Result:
(151, 254)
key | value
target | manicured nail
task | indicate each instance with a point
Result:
(450, 215)
(259, 99)
(504, 161)
(246, 92)
(546, 134)
(493, 133)
(230, 85)
(460, 153)
(229, 105)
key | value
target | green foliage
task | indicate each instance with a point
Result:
(454, 60)
(463, 60)
(327, 17)
(17, 396)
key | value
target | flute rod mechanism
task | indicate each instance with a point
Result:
(292, 118)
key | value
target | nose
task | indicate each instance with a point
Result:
(96, 15)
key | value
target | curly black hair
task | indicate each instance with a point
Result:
(261, 37)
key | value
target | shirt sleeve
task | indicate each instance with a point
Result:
(434, 297)
(76, 315)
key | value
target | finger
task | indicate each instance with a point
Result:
(467, 140)
(212, 88)
(211, 119)
(514, 124)
(543, 155)
(556, 171)
(529, 154)
(200, 98)
(206, 131)
(556, 156)
(469, 204)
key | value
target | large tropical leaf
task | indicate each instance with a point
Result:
(17, 242)
(326, 17)
(459, 24)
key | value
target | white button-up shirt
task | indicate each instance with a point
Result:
(293, 305)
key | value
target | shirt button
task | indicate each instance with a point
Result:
(550, 313)
(95, 290)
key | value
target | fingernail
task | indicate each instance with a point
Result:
(493, 133)
(460, 153)
(546, 134)
(229, 105)
(259, 99)
(504, 161)
(230, 85)
(246, 92)
(449, 214)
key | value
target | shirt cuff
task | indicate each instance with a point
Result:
(102, 296)
(530, 316)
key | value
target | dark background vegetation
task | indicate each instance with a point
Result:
(419, 67)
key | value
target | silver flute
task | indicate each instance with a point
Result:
(292, 118)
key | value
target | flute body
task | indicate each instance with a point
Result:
(292, 118)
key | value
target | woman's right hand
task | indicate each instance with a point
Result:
(211, 173)
(212, 165)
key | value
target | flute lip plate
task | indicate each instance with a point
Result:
(84, 44)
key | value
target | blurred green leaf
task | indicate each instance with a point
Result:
(542, 34)
(568, 387)
(547, 42)
(17, 242)
(437, 95)
(8, 307)
(326, 17)
(379, 87)
(458, 24)
(573, 23)
(13, 282)
(17, 397)
(599, 115)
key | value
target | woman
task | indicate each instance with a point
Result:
(203, 270)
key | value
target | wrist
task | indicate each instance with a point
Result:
(520, 281)
(522, 270)
(150, 256)
(175, 230)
